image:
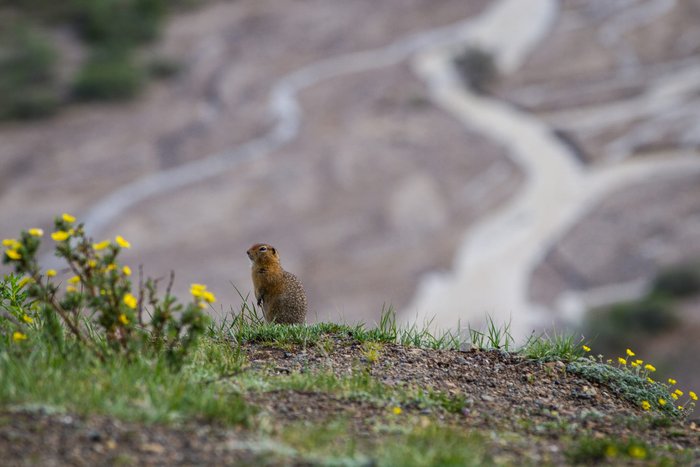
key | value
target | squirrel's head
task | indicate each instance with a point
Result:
(262, 253)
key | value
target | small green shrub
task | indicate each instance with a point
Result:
(27, 74)
(163, 68)
(97, 308)
(677, 282)
(477, 69)
(109, 75)
(119, 22)
(631, 382)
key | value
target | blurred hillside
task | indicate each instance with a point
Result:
(373, 188)
(55, 53)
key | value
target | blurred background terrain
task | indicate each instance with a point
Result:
(160, 121)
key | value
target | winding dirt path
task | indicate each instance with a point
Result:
(492, 269)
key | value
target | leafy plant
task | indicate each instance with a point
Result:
(97, 308)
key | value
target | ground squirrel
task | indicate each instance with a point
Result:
(279, 292)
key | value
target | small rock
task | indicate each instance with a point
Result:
(153, 448)
(487, 398)
(94, 436)
(66, 420)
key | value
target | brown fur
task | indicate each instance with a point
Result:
(279, 292)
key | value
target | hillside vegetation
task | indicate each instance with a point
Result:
(107, 371)
(39, 40)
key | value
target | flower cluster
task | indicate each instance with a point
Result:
(201, 295)
(644, 371)
(99, 284)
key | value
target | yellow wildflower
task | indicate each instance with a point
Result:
(638, 452)
(634, 364)
(630, 353)
(662, 402)
(611, 451)
(68, 218)
(680, 407)
(36, 232)
(396, 410)
(70, 288)
(92, 263)
(74, 280)
(609, 361)
(621, 361)
(130, 301)
(586, 348)
(650, 380)
(671, 381)
(650, 367)
(202, 305)
(123, 319)
(121, 241)
(50, 272)
(11, 243)
(27, 319)
(25, 281)
(693, 395)
(13, 254)
(674, 396)
(60, 235)
(639, 362)
(646, 405)
(208, 297)
(111, 267)
(678, 392)
(126, 270)
(18, 336)
(101, 245)
(197, 290)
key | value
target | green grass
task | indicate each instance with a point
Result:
(407, 445)
(557, 346)
(248, 326)
(143, 389)
(495, 337)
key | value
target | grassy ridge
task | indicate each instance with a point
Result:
(220, 383)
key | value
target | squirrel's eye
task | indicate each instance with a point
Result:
(262, 248)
